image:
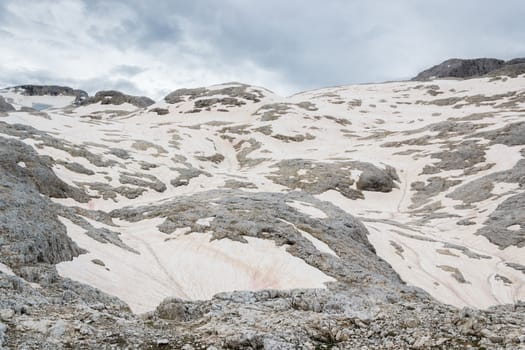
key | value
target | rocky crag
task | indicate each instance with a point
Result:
(471, 68)
(385, 216)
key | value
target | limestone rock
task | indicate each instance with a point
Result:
(112, 97)
(468, 68)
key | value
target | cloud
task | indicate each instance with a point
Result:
(152, 48)
(128, 70)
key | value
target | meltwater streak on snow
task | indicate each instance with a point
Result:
(346, 123)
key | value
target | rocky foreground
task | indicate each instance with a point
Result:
(385, 216)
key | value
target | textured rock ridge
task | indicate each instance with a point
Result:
(469, 68)
(112, 97)
(52, 90)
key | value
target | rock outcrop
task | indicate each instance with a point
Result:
(52, 90)
(112, 97)
(469, 68)
(31, 231)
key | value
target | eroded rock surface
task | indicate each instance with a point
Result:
(31, 231)
(52, 90)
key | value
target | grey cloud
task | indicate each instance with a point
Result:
(306, 44)
(148, 25)
(128, 70)
(13, 77)
(4, 12)
(43, 77)
(124, 85)
(6, 33)
(315, 43)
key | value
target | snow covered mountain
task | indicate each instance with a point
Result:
(344, 199)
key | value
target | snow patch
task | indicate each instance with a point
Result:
(190, 266)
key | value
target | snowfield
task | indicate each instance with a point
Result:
(432, 137)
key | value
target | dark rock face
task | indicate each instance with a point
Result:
(511, 70)
(235, 95)
(4, 106)
(112, 97)
(468, 68)
(29, 227)
(515, 61)
(459, 68)
(53, 90)
(22, 162)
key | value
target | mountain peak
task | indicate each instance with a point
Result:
(471, 68)
(113, 97)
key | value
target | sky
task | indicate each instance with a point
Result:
(154, 47)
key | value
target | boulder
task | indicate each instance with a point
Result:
(52, 90)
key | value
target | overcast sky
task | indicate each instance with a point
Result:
(154, 47)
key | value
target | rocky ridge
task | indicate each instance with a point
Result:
(112, 97)
(469, 68)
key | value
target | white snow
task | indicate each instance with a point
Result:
(205, 221)
(320, 245)
(190, 266)
(20, 100)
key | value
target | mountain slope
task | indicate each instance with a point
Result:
(352, 197)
